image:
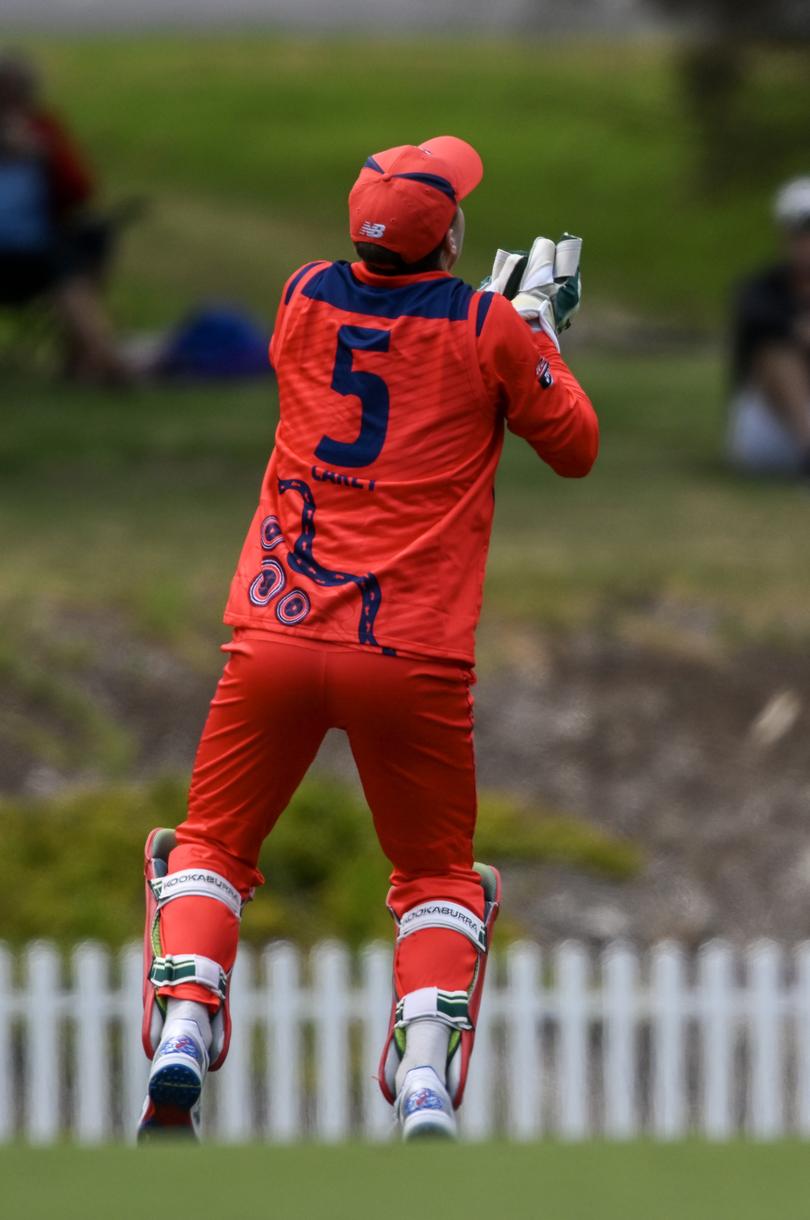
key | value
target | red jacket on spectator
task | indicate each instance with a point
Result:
(71, 179)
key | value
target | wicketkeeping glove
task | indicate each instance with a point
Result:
(543, 284)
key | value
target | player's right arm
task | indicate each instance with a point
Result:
(527, 378)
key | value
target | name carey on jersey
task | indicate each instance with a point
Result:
(321, 475)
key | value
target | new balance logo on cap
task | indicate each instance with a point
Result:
(372, 230)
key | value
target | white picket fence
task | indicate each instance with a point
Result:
(661, 1043)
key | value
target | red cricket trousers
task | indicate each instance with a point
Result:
(409, 724)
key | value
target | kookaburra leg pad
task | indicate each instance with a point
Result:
(165, 971)
(456, 1009)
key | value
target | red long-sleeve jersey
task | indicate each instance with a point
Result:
(375, 513)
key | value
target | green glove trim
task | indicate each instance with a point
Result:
(566, 301)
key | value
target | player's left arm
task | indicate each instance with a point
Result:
(541, 398)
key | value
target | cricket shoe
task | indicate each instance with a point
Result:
(423, 1107)
(172, 1105)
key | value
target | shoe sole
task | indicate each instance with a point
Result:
(427, 1127)
(175, 1085)
(429, 1132)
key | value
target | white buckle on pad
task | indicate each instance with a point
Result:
(449, 1007)
(175, 969)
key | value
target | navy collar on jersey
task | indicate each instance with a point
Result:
(429, 294)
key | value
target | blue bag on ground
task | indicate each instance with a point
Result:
(217, 341)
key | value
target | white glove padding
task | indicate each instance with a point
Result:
(507, 272)
(550, 291)
(544, 286)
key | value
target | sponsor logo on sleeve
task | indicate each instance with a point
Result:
(544, 374)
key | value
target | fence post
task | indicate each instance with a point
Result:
(523, 1009)
(766, 1109)
(802, 1035)
(375, 1007)
(619, 1009)
(330, 995)
(235, 1084)
(134, 1064)
(572, 968)
(90, 1009)
(7, 1118)
(717, 1035)
(477, 1114)
(669, 1115)
(282, 1010)
(42, 1043)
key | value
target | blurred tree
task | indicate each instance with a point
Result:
(734, 42)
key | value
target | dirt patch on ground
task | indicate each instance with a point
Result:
(704, 763)
(701, 760)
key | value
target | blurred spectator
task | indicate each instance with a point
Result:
(51, 245)
(769, 427)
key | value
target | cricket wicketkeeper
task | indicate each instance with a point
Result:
(354, 606)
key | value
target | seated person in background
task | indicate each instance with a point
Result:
(769, 425)
(49, 244)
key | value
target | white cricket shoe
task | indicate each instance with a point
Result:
(423, 1107)
(172, 1105)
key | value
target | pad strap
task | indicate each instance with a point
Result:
(173, 969)
(451, 1007)
(444, 914)
(199, 883)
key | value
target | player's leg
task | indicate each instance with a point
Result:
(410, 728)
(263, 730)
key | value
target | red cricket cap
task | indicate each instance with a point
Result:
(405, 198)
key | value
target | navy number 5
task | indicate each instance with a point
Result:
(372, 392)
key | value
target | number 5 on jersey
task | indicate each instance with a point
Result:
(372, 392)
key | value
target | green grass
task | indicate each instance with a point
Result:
(659, 525)
(248, 146)
(533, 1182)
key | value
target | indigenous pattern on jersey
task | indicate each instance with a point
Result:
(376, 507)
